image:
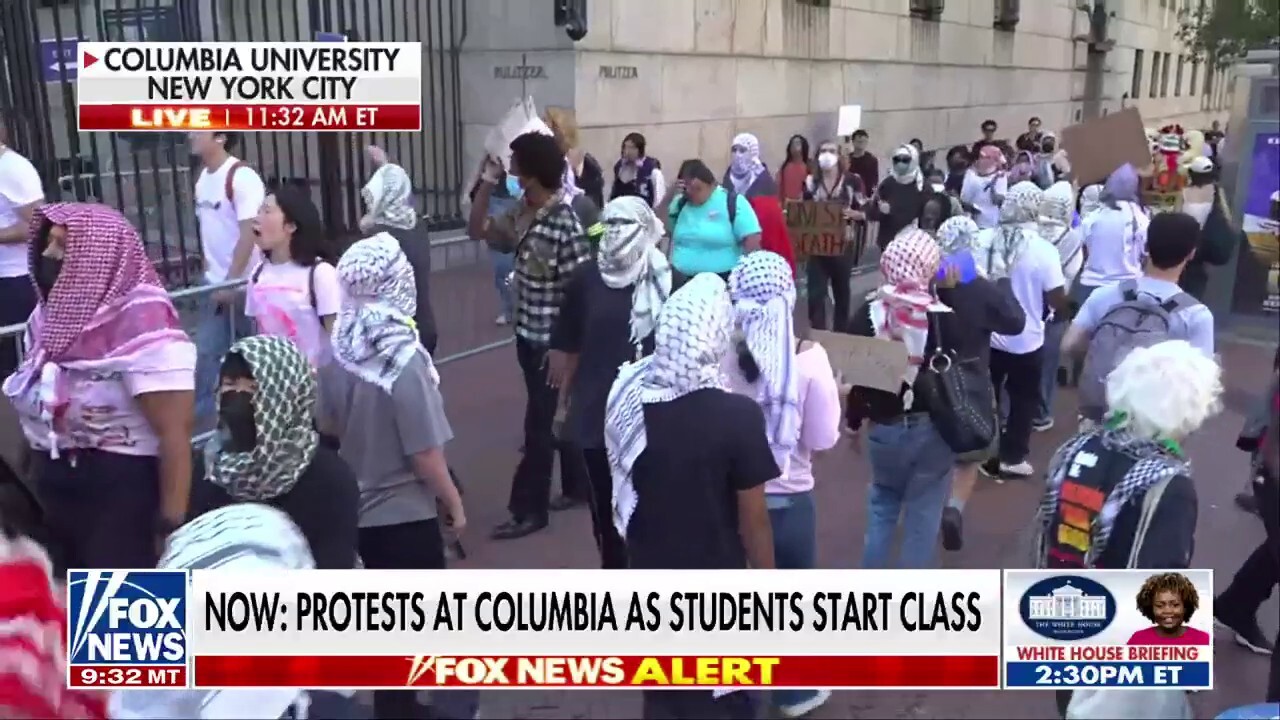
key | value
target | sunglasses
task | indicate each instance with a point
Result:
(902, 160)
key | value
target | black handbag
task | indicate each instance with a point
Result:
(960, 398)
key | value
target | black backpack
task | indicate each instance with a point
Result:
(731, 201)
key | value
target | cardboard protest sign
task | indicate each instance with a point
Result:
(864, 361)
(817, 228)
(1098, 147)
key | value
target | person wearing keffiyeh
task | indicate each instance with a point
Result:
(796, 389)
(33, 632)
(900, 196)
(105, 393)
(607, 319)
(243, 538)
(689, 462)
(382, 401)
(997, 249)
(268, 451)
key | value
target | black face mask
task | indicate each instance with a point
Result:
(235, 412)
(47, 270)
(1048, 147)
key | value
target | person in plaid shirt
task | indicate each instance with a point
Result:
(549, 243)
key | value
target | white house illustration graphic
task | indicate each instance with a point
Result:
(1068, 603)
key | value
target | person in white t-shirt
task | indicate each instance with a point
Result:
(228, 194)
(294, 292)
(20, 193)
(1115, 236)
(1037, 281)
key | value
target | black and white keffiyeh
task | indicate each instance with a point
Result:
(692, 337)
(764, 299)
(1153, 464)
(629, 256)
(375, 336)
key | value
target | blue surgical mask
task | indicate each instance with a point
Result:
(513, 188)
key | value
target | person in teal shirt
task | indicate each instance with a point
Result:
(705, 236)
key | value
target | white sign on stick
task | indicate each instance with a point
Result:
(849, 120)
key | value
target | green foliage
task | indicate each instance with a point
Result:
(1222, 30)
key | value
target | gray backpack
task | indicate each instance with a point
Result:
(1138, 320)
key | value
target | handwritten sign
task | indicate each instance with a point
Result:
(817, 228)
(865, 361)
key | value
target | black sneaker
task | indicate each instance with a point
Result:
(952, 529)
(1248, 634)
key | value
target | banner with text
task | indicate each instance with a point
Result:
(263, 86)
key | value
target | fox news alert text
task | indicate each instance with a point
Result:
(267, 87)
(1108, 628)
(512, 628)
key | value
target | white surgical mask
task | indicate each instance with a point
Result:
(939, 188)
(827, 160)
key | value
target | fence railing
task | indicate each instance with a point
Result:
(187, 298)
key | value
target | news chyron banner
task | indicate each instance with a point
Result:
(1108, 629)
(261, 87)
(374, 629)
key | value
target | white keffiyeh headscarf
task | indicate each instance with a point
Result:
(629, 255)
(764, 299)
(912, 175)
(1056, 207)
(375, 336)
(388, 199)
(745, 165)
(996, 250)
(692, 337)
(1090, 200)
(956, 234)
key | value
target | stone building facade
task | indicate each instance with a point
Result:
(690, 74)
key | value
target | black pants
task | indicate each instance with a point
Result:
(613, 551)
(574, 479)
(531, 485)
(412, 546)
(698, 705)
(17, 300)
(833, 272)
(100, 508)
(1018, 375)
(678, 279)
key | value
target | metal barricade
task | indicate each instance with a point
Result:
(187, 301)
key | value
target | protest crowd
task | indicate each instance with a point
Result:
(668, 373)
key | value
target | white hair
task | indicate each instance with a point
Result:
(1167, 390)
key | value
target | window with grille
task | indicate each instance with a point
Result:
(1136, 89)
(927, 9)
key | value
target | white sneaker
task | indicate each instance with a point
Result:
(1022, 469)
(501, 320)
(805, 707)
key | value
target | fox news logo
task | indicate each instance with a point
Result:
(127, 617)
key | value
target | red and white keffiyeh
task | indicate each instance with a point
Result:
(107, 312)
(900, 310)
(33, 671)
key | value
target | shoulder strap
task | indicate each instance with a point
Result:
(257, 272)
(1149, 504)
(230, 187)
(1181, 301)
(732, 201)
(311, 285)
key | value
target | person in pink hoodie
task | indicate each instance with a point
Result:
(795, 387)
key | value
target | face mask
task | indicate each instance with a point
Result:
(513, 188)
(901, 165)
(827, 160)
(47, 270)
(939, 187)
(235, 412)
(1048, 147)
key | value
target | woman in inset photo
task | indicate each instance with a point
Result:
(1168, 600)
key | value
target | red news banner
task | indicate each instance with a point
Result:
(542, 671)
(244, 118)
(264, 87)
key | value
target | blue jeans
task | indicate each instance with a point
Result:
(910, 479)
(217, 327)
(794, 523)
(1053, 332)
(503, 264)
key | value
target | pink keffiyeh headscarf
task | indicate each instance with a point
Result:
(901, 309)
(990, 160)
(106, 313)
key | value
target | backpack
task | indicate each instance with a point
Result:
(1092, 474)
(1138, 320)
(731, 200)
(227, 184)
(311, 282)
